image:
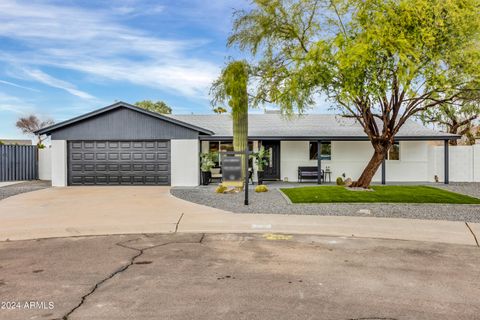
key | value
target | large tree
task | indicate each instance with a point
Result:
(30, 124)
(159, 106)
(379, 61)
(231, 88)
(457, 118)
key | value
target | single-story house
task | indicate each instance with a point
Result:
(124, 144)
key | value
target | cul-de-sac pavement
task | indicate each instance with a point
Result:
(89, 253)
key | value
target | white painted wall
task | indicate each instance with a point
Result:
(59, 163)
(45, 163)
(419, 161)
(185, 166)
(464, 163)
(351, 157)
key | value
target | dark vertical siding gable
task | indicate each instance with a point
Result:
(123, 124)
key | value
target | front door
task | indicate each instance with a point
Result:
(272, 171)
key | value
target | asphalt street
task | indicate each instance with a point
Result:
(262, 276)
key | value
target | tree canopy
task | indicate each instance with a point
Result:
(378, 61)
(159, 106)
(457, 118)
(30, 124)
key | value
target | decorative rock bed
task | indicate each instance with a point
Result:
(274, 202)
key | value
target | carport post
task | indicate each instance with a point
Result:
(383, 170)
(245, 202)
(319, 161)
(445, 162)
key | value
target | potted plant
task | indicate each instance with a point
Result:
(206, 163)
(261, 160)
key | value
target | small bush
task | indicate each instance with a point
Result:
(340, 181)
(221, 189)
(261, 188)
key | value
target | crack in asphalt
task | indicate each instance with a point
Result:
(473, 234)
(122, 244)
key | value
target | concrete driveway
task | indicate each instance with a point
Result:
(73, 211)
(266, 276)
(81, 211)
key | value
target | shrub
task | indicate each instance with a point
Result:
(221, 189)
(261, 188)
(340, 181)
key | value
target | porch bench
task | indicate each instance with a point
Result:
(310, 173)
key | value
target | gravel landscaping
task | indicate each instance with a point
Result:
(23, 187)
(275, 202)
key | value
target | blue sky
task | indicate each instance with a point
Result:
(62, 58)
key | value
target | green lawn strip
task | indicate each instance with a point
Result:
(385, 194)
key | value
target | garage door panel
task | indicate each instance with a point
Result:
(113, 179)
(101, 156)
(125, 156)
(138, 167)
(89, 180)
(162, 156)
(137, 156)
(119, 162)
(101, 180)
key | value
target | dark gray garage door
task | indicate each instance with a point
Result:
(119, 162)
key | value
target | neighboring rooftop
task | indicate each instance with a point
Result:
(326, 126)
(22, 142)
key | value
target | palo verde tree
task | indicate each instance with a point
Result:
(456, 117)
(231, 88)
(380, 62)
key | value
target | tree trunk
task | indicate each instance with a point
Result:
(372, 167)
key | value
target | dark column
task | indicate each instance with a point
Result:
(445, 163)
(383, 171)
(319, 161)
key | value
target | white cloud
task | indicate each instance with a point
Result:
(14, 104)
(18, 86)
(44, 78)
(95, 43)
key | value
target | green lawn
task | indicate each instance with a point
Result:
(392, 194)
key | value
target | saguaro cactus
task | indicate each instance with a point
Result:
(231, 86)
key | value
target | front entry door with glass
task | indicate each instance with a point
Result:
(272, 171)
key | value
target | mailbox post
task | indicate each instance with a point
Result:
(232, 170)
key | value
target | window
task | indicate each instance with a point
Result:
(394, 152)
(214, 147)
(223, 146)
(326, 150)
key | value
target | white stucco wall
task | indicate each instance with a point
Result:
(464, 163)
(59, 163)
(45, 163)
(185, 170)
(350, 157)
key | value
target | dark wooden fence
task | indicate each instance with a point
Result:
(18, 163)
